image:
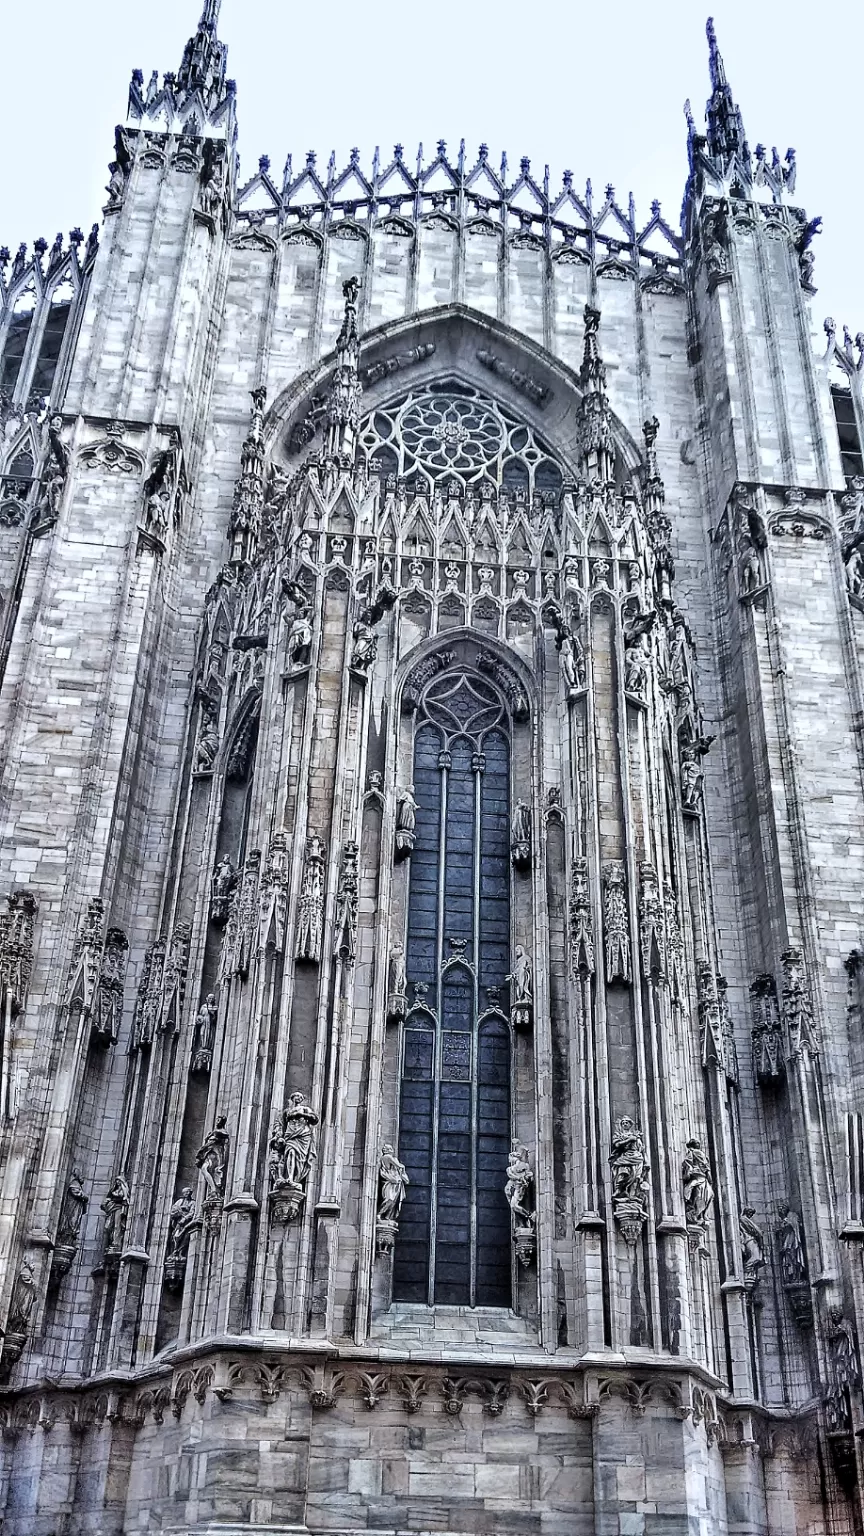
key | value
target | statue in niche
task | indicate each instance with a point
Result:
(406, 821)
(72, 1211)
(520, 836)
(629, 1179)
(750, 566)
(793, 1264)
(698, 1192)
(365, 645)
(517, 1191)
(392, 1183)
(116, 1209)
(298, 643)
(310, 926)
(292, 1153)
(572, 657)
(23, 1298)
(522, 980)
(397, 999)
(222, 885)
(207, 744)
(181, 1224)
(212, 1160)
(855, 570)
(715, 239)
(205, 1034)
(692, 779)
(636, 667)
(752, 1246)
(347, 903)
(616, 922)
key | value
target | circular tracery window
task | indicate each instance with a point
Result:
(451, 432)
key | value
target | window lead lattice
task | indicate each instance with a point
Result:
(451, 432)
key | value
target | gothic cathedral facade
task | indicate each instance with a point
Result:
(432, 780)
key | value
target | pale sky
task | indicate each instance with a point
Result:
(595, 88)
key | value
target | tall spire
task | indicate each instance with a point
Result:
(204, 57)
(343, 406)
(725, 126)
(593, 425)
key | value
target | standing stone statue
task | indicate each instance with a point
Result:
(629, 1179)
(212, 1159)
(72, 1211)
(205, 1034)
(181, 1224)
(292, 1153)
(397, 985)
(21, 1307)
(392, 1183)
(116, 1209)
(522, 979)
(406, 821)
(698, 1191)
(520, 836)
(222, 884)
(752, 1246)
(517, 1191)
(310, 927)
(793, 1264)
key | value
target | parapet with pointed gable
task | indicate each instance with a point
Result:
(198, 99)
(721, 158)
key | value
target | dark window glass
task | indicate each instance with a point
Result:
(454, 1242)
(49, 352)
(13, 352)
(847, 431)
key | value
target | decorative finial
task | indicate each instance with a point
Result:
(725, 126)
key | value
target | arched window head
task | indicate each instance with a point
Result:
(16, 337)
(62, 298)
(450, 432)
(454, 1244)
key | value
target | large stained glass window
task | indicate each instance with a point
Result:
(454, 1243)
(450, 432)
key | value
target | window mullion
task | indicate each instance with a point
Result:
(444, 761)
(478, 764)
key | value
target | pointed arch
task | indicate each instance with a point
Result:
(444, 343)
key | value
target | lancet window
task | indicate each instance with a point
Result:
(452, 432)
(454, 1242)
